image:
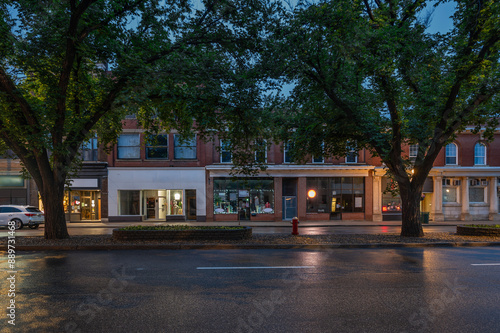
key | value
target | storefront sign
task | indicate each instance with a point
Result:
(84, 183)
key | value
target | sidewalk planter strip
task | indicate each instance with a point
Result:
(477, 231)
(193, 234)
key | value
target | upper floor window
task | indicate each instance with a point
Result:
(89, 150)
(129, 146)
(451, 154)
(352, 155)
(319, 158)
(157, 147)
(225, 153)
(479, 154)
(287, 157)
(413, 153)
(261, 151)
(184, 148)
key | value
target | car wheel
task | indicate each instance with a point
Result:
(18, 223)
(34, 226)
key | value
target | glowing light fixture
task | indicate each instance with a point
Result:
(177, 196)
(311, 194)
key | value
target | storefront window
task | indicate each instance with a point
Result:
(175, 201)
(391, 202)
(253, 196)
(332, 195)
(450, 194)
(129, 202)
(82, 205)
(476, 194)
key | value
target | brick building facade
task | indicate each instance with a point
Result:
(173, 179)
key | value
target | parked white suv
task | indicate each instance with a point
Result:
(21, 216)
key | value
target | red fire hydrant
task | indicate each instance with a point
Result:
(295, 226)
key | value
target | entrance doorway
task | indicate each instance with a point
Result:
(82, 205)
(191, 204)
(289, 190)
(289, 207)
(154, 204)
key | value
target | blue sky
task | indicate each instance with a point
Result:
(440, 19)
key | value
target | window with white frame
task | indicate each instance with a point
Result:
(451, 188)
(480, 154)
(451, 154)
(287, 158)
(413, 153)
(319, 158)
(129, 146)
(352, 155)
(157, 147)
(477, 190)
(184, 148)
(225, 153)
(261, 151)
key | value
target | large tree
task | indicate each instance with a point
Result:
(72, 67)
(369, 74)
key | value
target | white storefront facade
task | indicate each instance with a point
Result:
(156, 194)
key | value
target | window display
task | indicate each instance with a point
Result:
(336, 194)
(243, 197)
(129, 202)
(175, 199)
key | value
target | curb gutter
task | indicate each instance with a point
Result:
(241, 246)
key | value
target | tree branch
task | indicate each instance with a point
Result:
(85, 32)
(10, 89)
(410, 11)
(369, 10)
(67, 65)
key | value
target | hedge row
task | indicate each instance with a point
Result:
(477, 231)
(173, 235)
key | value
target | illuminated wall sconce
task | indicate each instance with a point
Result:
(311, 193)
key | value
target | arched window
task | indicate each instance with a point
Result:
(479, 154)
(451, 154)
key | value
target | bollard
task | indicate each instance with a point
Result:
(295, 226)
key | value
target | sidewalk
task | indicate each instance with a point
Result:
(341, 223)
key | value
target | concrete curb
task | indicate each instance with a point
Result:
(241, 246)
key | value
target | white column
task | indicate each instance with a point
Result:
(465, 216)
(493, 198)
(377, 198)
(437, 200)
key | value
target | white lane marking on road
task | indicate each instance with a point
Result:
(256, 267)
(485, 264)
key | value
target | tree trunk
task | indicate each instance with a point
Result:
(410, 202)
(55, 219)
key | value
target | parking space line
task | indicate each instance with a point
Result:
(485, 264)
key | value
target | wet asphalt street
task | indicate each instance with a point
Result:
(272, 290)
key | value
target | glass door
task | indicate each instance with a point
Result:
(289, 207)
